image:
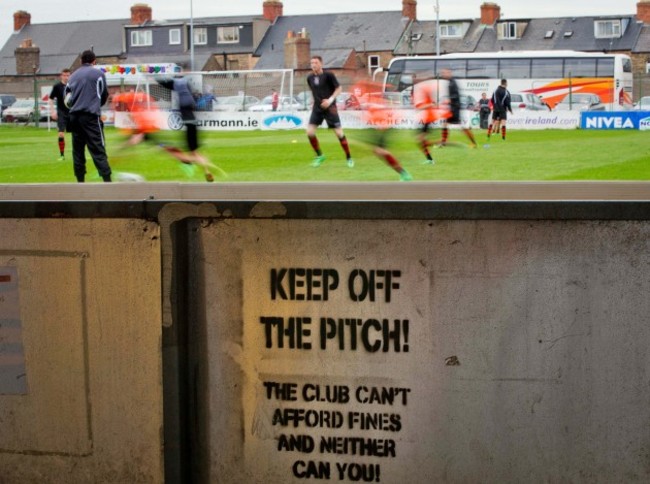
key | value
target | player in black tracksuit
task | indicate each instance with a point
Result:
(500, 108)
(324, 88)
(88, 93)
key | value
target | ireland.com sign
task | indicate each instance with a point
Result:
(616, 120)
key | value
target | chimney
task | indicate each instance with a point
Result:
(297, 50)
(140, 13)
(643, 11)
(490, 13)
(410, 9)
(28, 58)
(272, 10)
(21, 18)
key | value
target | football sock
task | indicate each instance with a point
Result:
(425, 150)
(470, 135)
(346, 147)
(489, 131)
(503, 132)
(392, 161)
(62, 145)
(445, 135)
(313, 141)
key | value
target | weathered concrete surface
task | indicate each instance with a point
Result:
(525, 358)
(90, 293)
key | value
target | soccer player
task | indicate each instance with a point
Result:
(425, 100)
(324, 87)
(454, 108)
(500, 107)
(61, 114)
(275, 100)
(380, 117)
(181, 87)
(87, 94)
(143, 112)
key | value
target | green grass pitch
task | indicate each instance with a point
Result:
(29, 155)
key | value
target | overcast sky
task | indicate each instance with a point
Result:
(46, 11)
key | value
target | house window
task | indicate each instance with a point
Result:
(607, 29)
(374, 62)
(200, 36)
(174, 36)
(451, 31)
(140, 38)
(227, 35)
(509, 30)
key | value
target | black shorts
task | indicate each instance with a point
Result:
(455, 116)
(499, 113)
(329, 115)
(62, 121)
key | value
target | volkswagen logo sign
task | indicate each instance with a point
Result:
(175, 121)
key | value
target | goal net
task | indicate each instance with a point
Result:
(222, 90)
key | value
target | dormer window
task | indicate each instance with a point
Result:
(607, 29)
(200, 36)
(141, 38)
(227, 35)
(451, 31)
(508, 30)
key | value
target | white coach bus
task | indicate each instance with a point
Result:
(552, 75)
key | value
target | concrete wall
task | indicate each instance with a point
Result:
(452, 333)
(89, 310)
(482, 351)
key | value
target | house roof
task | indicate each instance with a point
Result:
(61, 43)
(333, 36)
(425, 33)
(581, 35)
(643, 41)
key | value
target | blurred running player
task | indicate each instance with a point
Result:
(379, 115)
(426, 97)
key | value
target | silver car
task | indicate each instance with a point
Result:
(527, 101)
(580, 102)
(643, 104)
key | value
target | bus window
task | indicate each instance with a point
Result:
(412, 66)
(546, 68)
(456, 66)
(514, 68)
(606, 68)
(482, 69)
(627, 65)
(580, 68)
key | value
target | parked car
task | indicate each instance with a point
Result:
(466, 102)
(6, 100)
(287, 103)
(527, 101)
(347, 101)
(234, 103)
(23, 110)
(580, 102)
(306, 99)
(642, 104)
